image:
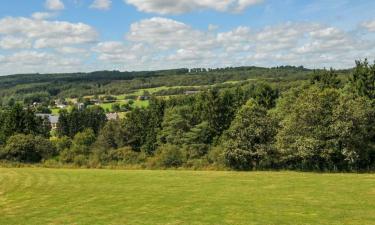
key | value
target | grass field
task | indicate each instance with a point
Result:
(63, 196)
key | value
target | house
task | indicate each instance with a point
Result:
(112, 116)
(51, 118)
(61, 106)
(80, 106)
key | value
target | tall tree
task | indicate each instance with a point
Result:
(248, 141)
(363, 79)
(325, 78)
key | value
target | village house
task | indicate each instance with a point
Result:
(53, 119)
(112, 116)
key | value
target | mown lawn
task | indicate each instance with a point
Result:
(63, 196)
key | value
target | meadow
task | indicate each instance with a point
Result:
(79, 196)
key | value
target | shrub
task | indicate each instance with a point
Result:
(80, 160)
(61, 143)
(168, 156)
(216, 156)
(27, 148)
(127, 155)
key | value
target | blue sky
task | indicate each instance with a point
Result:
(86, 35)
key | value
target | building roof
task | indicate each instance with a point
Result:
(51, 118)
(112, 116)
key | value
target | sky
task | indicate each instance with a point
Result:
(56, 36)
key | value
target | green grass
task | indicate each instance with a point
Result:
(64, 196)
(136, 104)
(55, 111)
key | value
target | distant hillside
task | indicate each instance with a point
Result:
(52, 86)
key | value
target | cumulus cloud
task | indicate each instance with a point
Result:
(310, 44)
(184, 6)
(48, 34)
(43, 15)
(37, 45)
(167, 33)
(369, 25)
(34, 59)
(101, 4)
(11, 42)
(54, 5)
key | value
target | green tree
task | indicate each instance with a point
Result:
(155, 114)
(134, 127)
(248, 141)
(27, 148)
(265, 95)
(363, 79)
(325, 78)
(326, 129)
(353, 126)
(305, 137)
(80, 148)
(177, 121)
(110, 138)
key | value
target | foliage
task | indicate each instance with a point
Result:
(17, 120)
(327, 130)
(363, 79)
(248, 140)
(325, 79)
(241, 118)
(168, 156)
(27, 148)
(70, 123)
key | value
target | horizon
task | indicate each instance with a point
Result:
(66, 36)
(171, 69)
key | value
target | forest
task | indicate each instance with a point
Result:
(245, 118)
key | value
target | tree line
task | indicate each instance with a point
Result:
(325, 123)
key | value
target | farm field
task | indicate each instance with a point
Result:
(68, 196)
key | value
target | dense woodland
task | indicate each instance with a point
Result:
(277, 118)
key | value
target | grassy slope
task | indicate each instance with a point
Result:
(50, 196)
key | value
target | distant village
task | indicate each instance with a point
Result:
(114, 113)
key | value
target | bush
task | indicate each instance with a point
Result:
(80, 160)
(216, 156)
(27, 148)
(61, 143)
(127, 155)
(168, 156)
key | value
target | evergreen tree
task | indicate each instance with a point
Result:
(363, 79)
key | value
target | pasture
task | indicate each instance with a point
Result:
(75, 196)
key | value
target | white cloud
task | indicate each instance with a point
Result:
(183, 6)
(35, 58)
(71, 50)
(11, 42)
(48, 34)
(43, 15)
(37, 45)
(212, 27)
(166, 33)
(39, 62)
(369, 25)
(54, 5)
(118, 52)
(243, 4)
(310, 44)
(101, 4)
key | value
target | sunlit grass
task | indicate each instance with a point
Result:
(62, 196)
